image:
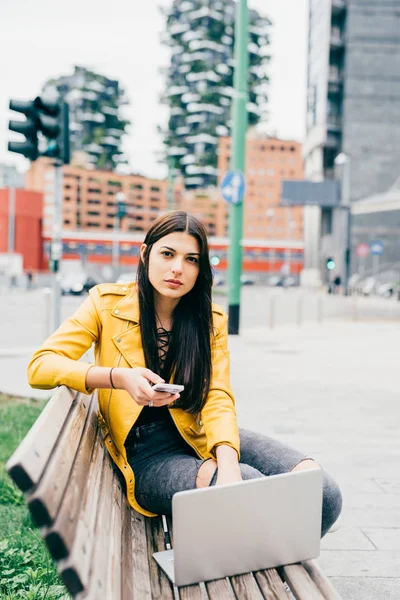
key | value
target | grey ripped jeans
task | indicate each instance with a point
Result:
(164, 464)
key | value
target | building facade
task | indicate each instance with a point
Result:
(199, 90)
(352, 102)
(24, 214)
(272, 235)
(269, 161)
(96, 124)
(90, 198)
(377, 219)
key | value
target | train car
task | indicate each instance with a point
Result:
(259, 256)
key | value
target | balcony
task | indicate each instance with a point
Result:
(338, 6)
(334, 122)
(337, 38)
(335, 80)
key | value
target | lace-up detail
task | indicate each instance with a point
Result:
(163, 337)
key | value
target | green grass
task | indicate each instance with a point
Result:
(26, 569)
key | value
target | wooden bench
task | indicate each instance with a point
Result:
(102, 547)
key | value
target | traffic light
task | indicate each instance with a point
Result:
(28, 128)
(49, 117)
(330, 264)
(53, 117)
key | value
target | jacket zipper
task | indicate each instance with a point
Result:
(186, 440)
(109, 400)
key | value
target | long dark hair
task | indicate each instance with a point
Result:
(189, 355)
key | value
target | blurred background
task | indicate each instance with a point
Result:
(149, 94)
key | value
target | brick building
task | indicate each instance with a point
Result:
(269, 161)
(89, 198)
(28, 226)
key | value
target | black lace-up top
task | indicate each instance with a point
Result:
(149, 415)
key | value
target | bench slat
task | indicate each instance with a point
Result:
(161, 587)
(245, 587)
(135, 565)
(75, 569)
(102, 547)
(219, 589)
(60, 536)
(45, 500)
(271, 585)
(29, 460)
(114, 573)
(190, 592)
(301, 584)
(320, 580)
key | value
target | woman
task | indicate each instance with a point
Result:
(165, 328)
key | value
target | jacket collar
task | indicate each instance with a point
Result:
(128, 307)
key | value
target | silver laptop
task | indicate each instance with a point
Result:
(247, 526)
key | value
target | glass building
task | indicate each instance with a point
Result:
(377, 219)
(353, 87)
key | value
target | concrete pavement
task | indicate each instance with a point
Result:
(330, 390)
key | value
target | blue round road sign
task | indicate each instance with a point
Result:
(233, 187)
(376, 247)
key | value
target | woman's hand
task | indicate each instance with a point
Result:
(137, 382)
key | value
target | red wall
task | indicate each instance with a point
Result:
(28, 226)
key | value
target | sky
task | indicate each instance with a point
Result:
(121, 39)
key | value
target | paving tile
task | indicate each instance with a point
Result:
(367, 588)
(387, 538)
(347, 538)
(391, 486)
(360, 563)
(370, 517)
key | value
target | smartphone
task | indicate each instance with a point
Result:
(171, 388)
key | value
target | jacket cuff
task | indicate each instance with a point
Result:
(76, 377)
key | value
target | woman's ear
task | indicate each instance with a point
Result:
(142, 251)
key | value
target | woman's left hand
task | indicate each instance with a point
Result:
(228, 474)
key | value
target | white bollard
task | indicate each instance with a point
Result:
(299, 310)
(48, 311)
(354, 307)
(319, 309)
(271, 312)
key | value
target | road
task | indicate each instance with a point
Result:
(26, 315)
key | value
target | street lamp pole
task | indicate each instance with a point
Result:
(240, 122)
(171, 166)
(120, 213)
(343, 161)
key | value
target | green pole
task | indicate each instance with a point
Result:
(171, 165)
(239, 119)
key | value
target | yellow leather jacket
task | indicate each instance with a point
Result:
(109, 318)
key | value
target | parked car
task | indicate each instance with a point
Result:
(386, 290)
(218, 280)
(77, 284)
(126, 277)
(368, 286)
(247, 280)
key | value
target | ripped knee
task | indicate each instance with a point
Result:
(205, 473)
(306, 463)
